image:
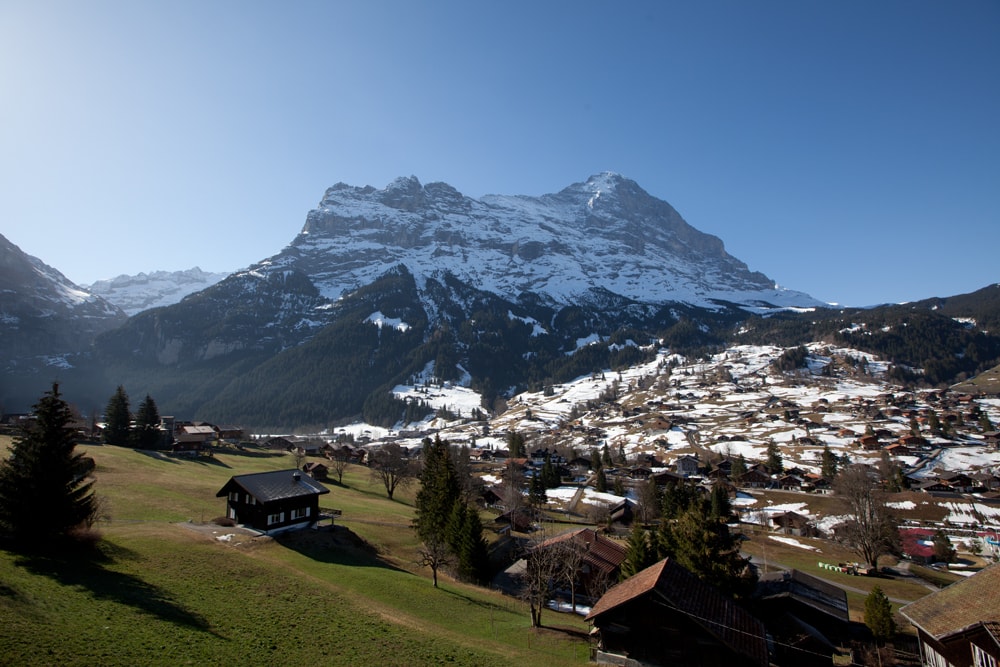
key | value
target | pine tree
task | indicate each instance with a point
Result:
(473, 552)
(516, 448)
(117, 419)
(707, 549)
(739, 469)
(774, 462)
(638, 555)
(828, 464)
(721, 508)
(45, 487)
(878, 614)
(536, 492)
(601, 480)
(147, 424)
(439, 491)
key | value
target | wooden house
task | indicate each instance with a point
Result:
(273, 501)
(665, 615)
(807, 617)
(600, 558)
(316, 470)
(959, 626)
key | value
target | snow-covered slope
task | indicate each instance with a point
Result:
(134, 294)
(600, 238)
(43, 315)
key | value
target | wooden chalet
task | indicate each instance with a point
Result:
(274, 501)
(959, 626)
(807, 617)
(601, 559)
(667, 616)
(792, 523)
(316, 470)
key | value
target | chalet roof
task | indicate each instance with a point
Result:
(808, 590)
(275, 485)
(676, 588)
(602, 553)
(960, 606)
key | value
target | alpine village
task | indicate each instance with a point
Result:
(405, 460)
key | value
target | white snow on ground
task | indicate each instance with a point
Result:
(380, 320)
(902, 505)
(794, 542)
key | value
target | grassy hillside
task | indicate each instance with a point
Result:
(165, 590)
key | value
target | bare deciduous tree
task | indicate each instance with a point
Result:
(390, 467)
(338, 463)
(871, 529)
(435, 554)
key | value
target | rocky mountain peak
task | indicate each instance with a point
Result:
(603, 234)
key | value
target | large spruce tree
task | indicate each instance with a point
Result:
(117, 419)
(45, 486)
(147, 425)
(439, 491)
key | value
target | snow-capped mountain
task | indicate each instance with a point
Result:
(600, 237)
(43, 315)
(137, 293)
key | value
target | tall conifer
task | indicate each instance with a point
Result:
(45, 487)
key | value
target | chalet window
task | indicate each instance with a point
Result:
(303, 512)
(251, 500)
(275, 518)
(234, 496)
(932, 658)
(981, 658)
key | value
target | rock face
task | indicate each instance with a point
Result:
(606, 235)
(44, 317)
(156, 289)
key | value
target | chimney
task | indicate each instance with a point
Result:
(296, 476)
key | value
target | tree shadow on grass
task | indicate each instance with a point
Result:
(335, 545)
(88, 570)
(485, 604)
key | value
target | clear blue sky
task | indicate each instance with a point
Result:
(849, 149)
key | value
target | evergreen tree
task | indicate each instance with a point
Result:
(117, 418)
(473, 552)
(720, 508)
(536, 492)
(550, 476)
(707, 549)
(516, 445)
(944, 552)
(618, 486)
(147, 432)
(601, 480)
(878, 614)
(606, 457)
(828, 464)
(439, 491)
(45, 487)
(774, 462)
(638, 555)
(739, 469)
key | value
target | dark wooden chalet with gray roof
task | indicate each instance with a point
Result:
(273, 501)
(664, 615)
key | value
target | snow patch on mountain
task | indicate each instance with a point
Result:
(143, 291)
(605, 236)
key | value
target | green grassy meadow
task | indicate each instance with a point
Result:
(162, 589)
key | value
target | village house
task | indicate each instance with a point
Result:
(665, 615)
(600, 558)
(687, 465)
(959, 626)
(274, 501)
(806, 616)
